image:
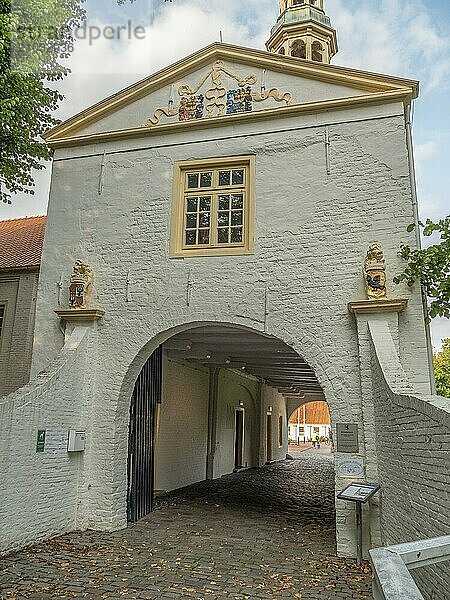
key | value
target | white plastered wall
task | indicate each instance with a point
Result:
(274, 404)
(182, 424)
(182, 428)
(312, 230)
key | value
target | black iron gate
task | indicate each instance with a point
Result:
(146, 395)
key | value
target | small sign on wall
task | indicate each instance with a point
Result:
(353, 468)
(40, 440)
(51, 440)
(56, 440)
(77, 441)
(347, 438)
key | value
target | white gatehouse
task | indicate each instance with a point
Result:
(234, 221)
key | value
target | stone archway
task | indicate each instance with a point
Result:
(307, 416)
(341, 391)
(227, 359)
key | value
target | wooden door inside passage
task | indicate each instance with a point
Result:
(269, 438)
(239, 439)
(141, 438)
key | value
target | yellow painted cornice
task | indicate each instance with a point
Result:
(369, 307)
(403, 95)
(291, 30)
(64, 133)
(80, 314)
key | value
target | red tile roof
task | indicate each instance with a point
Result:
(21, 242)
(316, 413)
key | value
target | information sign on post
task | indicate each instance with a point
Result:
(347, 438)
(359, 493)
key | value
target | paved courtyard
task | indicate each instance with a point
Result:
(264, 534)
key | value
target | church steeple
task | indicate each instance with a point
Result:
(303, 30)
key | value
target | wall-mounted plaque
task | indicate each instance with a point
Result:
(51, 440)
(347, 438)
(56, 440)
(353, 468)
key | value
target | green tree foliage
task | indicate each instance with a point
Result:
(35, 36)
(442, 370)
(431, 267)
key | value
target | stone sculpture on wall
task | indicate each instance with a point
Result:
(80, 284)
(217, 100)
(375, 273)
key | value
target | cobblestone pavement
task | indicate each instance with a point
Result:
(260, 534)
(299, 447)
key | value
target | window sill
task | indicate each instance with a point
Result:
(202, 252)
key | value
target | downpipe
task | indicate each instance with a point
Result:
(413, 182)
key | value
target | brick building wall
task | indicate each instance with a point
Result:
(312, 227)
(181, 446)
(302, 221)
(41, 493)
(20, 257)
(413, 450)
(18, 292)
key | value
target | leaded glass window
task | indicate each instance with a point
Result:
(216, 209)
(216, 219)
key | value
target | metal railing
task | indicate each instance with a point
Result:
(391, 567)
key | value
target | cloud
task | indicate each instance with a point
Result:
(174, 33)
(440, 330)
(24, 205)
(426, 150)
(431, 208)
(393, 36)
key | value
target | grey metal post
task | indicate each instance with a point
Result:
(412, 174)
(359, 533)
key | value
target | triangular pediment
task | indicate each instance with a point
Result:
(223, 82)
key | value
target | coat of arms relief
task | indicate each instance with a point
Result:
(80, 285)
(218, 100)
(375, 273)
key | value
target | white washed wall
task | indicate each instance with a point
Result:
(312, 231)
(181, 445)
(40, 493)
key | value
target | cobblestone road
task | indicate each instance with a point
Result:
(261, 534)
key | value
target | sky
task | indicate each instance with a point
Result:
(408, 38)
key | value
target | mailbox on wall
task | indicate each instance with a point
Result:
(77, 441)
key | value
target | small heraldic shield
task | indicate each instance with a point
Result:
(375, 273)
(80, 283)
(76, 294)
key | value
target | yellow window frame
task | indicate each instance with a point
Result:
(178, 248)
